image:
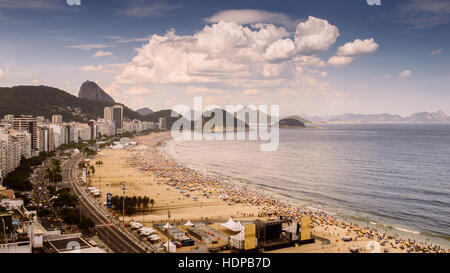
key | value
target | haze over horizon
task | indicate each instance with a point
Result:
(314, 57)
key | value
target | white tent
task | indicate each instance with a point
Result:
(171, 246)
(167, 225)
(188, 224)
(232, 225)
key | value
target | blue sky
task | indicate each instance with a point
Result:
(317, 57)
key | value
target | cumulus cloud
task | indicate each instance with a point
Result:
(248, 61)
(349, 51)
(102, 53)
(357, 48)
(91, 68)
(281, 49)
(315, 35)
(250, 16)
(340, 61)
(405, 74)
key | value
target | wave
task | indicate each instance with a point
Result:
(407, 230)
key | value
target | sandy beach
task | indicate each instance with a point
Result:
(190, 196)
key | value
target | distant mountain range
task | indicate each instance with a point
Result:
(144, 111)
(422, 117)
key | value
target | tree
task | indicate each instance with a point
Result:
(152, 202)
(64, 199)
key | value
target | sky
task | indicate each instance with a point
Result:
(314, 57)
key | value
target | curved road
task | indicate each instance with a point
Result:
(113, 237)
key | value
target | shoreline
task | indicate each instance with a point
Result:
(248, 204)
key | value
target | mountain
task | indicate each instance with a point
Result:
(144, 111)
(302, 120)
(291, 123)
(425, 117)
(91, 91)
(251, 112)
(422, 117)
(52, 101)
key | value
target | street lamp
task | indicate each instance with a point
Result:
(123, 204)
(168, 230)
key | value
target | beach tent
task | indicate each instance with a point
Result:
(188, 224)
(170, 246)
(232, 225)
(167, 225)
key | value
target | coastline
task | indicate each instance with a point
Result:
(250, 205)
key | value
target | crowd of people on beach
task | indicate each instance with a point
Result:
(148, 157)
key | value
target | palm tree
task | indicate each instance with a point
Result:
(152, 202)
(92, 169)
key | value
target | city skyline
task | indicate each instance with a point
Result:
(312, 57)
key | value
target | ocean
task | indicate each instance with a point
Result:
(392, 176)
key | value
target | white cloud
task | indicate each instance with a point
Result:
(405, 74)
(250, 62)
(349, 51)
(437, 52)
(314, 36)
(89, 46)
(340, 61)
(91, 68)
(357, 48)
(1, 73)
(250, 16)
(102, 53)
(281, 49)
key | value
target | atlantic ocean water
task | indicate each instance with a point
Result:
(393, 176)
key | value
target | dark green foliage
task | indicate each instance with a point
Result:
(51, 101)
(132, 204)
(64, 199)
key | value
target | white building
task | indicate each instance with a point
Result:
(24, 142)
(57, 119)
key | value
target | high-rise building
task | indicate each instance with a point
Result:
(24, 142)
(57, 119)
(46, 139)
(9, 153)
(107, 114)
(28, 124)
(162, 124)
(40, 119)
(115, 114)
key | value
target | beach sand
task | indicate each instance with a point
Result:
(115, 170)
